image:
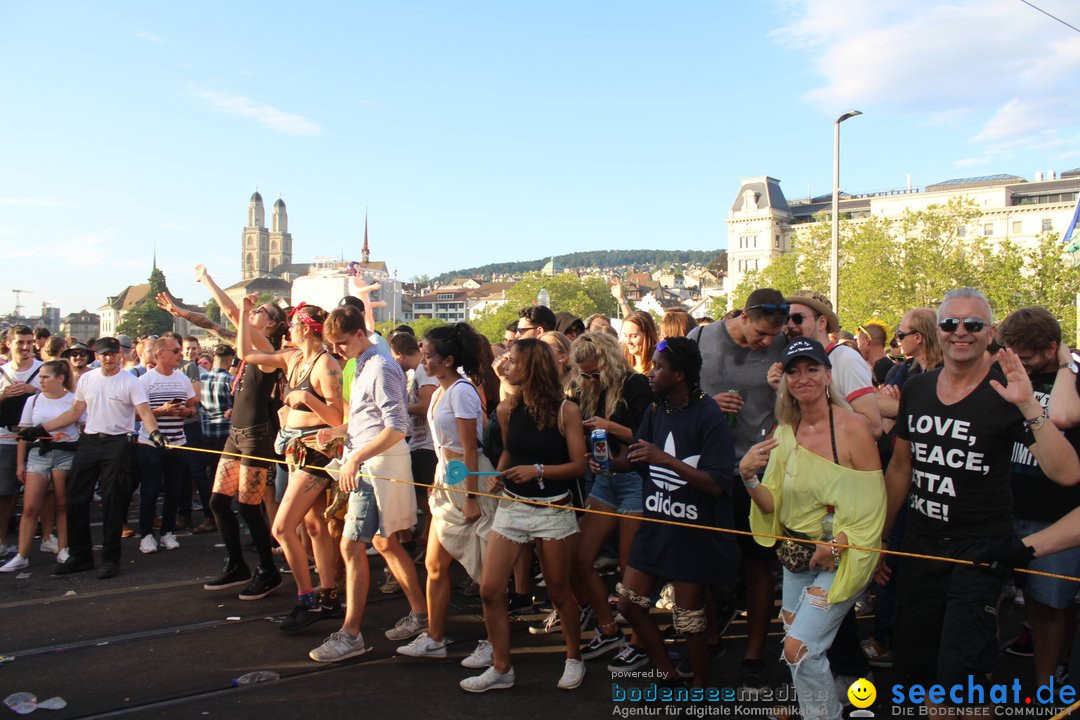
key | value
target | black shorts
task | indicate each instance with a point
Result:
(948, 627)
(748, 546)
(424, 462)
(256, 441)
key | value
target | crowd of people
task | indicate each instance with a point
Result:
(587, 447)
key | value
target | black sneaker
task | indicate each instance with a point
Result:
(754, 680)
(301, 616)
(330, 604)
(232, 576)
(264, 583)
(601, 644)
(629, 658)
(1021, 645)
(725, 614)
(520, 604)
(685, 668)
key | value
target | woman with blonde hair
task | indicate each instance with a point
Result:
(823, 483)
(918, 338)
(612, 398)
(639, 337)
(560, 345)
(676, 323)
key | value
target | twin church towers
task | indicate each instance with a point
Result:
(265, 249)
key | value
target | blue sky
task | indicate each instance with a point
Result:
(482, 132)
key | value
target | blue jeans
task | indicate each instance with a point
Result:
(814, 624)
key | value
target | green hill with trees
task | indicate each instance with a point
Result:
(650, 259)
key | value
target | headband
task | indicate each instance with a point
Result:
(306, 319)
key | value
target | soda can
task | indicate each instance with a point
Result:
(733, 418)
(600, 451)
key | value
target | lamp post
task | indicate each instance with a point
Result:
(834, 256)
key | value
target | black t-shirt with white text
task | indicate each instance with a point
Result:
(960, 458)
(1035, 496)
(699, 436)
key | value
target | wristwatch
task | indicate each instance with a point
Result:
(1071, 366)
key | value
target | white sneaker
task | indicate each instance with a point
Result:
(169, 541)
(423, 647)
(481, 657)
(148, 545)
(339, 646)
(407, 627)
(573, 674)
(16, 563)
(50, 544)
(62, 556)
(490, 679)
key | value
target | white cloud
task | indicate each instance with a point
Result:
(994, 60)
(264, 114)
(151, 37)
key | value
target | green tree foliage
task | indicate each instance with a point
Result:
(651, 259)
(419, 326)
(889, 266)
(147, 318)
(580, 296)
(213, 311)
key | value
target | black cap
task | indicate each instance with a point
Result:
(805, 348)
(107, 345)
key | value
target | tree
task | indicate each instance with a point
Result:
(580, 296)
(419, 326)
(213, 311)
(147, 318)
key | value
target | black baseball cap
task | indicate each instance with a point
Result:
(805, 348)
(107, 345)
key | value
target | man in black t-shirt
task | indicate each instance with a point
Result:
(1035, 336)
(956, 429)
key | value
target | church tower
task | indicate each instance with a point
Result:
(280, 239)
(255, 246)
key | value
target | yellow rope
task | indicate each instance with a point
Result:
(607, 513)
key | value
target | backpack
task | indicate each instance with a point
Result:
(11, 408)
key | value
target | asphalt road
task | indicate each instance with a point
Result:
(151, 643)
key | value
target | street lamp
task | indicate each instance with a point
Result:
(834, 256)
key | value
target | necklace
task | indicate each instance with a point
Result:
(676, 409)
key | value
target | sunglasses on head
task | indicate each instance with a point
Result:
(971, 324)
(662, 345)
(771, 308)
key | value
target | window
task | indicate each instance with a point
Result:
(777, 241)
(445, 296)
(1017, 227)
(1047, 225)
(988, 229)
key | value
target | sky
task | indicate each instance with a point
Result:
(477, 132)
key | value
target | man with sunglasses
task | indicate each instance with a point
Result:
(79, 356)
(956, 430)
(737, 353)
(534, 321)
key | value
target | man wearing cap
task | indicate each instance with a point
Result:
(736, 355)
(569, 325)
(955, 435)
(110, 398)
(79, 356)
(811, 316)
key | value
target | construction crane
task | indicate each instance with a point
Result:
(18, 300)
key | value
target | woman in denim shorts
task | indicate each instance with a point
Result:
(544, 451)
(613, 398)
(45, 461)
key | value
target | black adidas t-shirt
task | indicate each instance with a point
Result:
(698, 436)
(960, 458)
(1035, 496)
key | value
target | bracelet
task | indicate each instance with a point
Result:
(835, 554)
(752, 483)
(1035, 423)
(539, 475)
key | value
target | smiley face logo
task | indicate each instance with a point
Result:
(862, 693)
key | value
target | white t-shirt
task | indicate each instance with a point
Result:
(8, 373)
(419, 436)
(851, 376)
(110, 401)
(161, 390)
(40, 410)
(462, 401)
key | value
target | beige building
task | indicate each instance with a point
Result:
(762, 222)
(263, 249)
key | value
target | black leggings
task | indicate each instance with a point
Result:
(230, 530)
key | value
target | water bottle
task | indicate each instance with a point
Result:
(258, 676)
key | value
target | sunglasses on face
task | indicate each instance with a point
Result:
(525, 329)
(595, 375)
(78, 353)
(901, 334)
(771, 308)
(797, 318)
(971, 324)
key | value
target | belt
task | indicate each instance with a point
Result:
(563, 499)
(104, 436)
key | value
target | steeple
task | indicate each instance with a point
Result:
(365, 253)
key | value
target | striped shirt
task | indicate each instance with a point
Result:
(377, 399)
(163, 389)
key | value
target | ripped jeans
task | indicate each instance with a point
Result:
(815, 624)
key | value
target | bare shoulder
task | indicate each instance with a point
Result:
(854, 438)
